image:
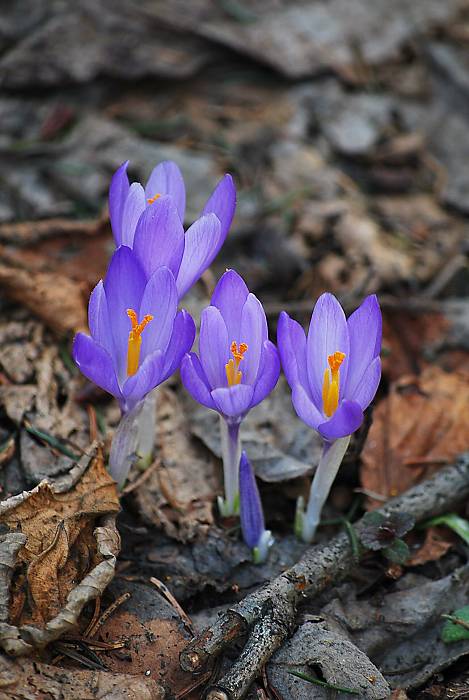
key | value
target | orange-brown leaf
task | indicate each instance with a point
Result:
(418, 428)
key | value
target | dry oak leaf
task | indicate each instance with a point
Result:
(60, 547)
(50, 296)
(435, 546)
(417, 429)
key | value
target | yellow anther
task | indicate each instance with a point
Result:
(133, 318)
(153, 199)
(334, 361)
(135, 340)
(233, 374)
(331, 383)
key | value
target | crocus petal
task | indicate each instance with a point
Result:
(98, 319)
(305, 407)
(147, 377)
(181, 342)
(202, 242)
(366, 390)
(365, 331)
(291, 340)
(124, 285)
(159, 238)
(233, 401)
(250, 506)
(222, 203)
(194, 380)
(160, 300)
(118, 191)
(213, 346)
(268, 375)
(327, 333)
(229, 296)
(347, 419)
(96, 364)
(254, 333)
(166, 178)
(134, 206)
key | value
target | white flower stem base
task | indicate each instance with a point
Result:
(147, 430)
(134, 439)
(261, 552)
(306, 521)
(231, 455)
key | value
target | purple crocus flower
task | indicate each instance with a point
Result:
(138, 336)
(334, 374)
(150, 220)
(236, 369)
(257, 538)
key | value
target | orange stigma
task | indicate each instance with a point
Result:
(233, 374)
(135, 340)
(331, 383)
(153, 199)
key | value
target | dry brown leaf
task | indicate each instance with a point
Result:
(154, 635)
(23, 233)
(82, 258)
(178, 495)
(436, 544)
(61, 549)
(55, 299)
(24, 680)
(418, 428)
(405, 337)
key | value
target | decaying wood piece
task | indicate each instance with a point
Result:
(268, 614)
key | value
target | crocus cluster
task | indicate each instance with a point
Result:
(138, 338)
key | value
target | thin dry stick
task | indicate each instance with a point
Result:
(269, 613)
(94, 619)
(163, 590)
(141, 479)
(107, 613)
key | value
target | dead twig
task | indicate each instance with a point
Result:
(166, 593)
(457, 621)
(141, 479)
(268, 615)
(107, 613)
(94, 619)
(193, 686)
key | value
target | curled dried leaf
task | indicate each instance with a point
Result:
(62, 533)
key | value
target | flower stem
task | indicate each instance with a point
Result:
(134, 439)
(261, 552)
(231, 455)
(331, 459)
(147, 430)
